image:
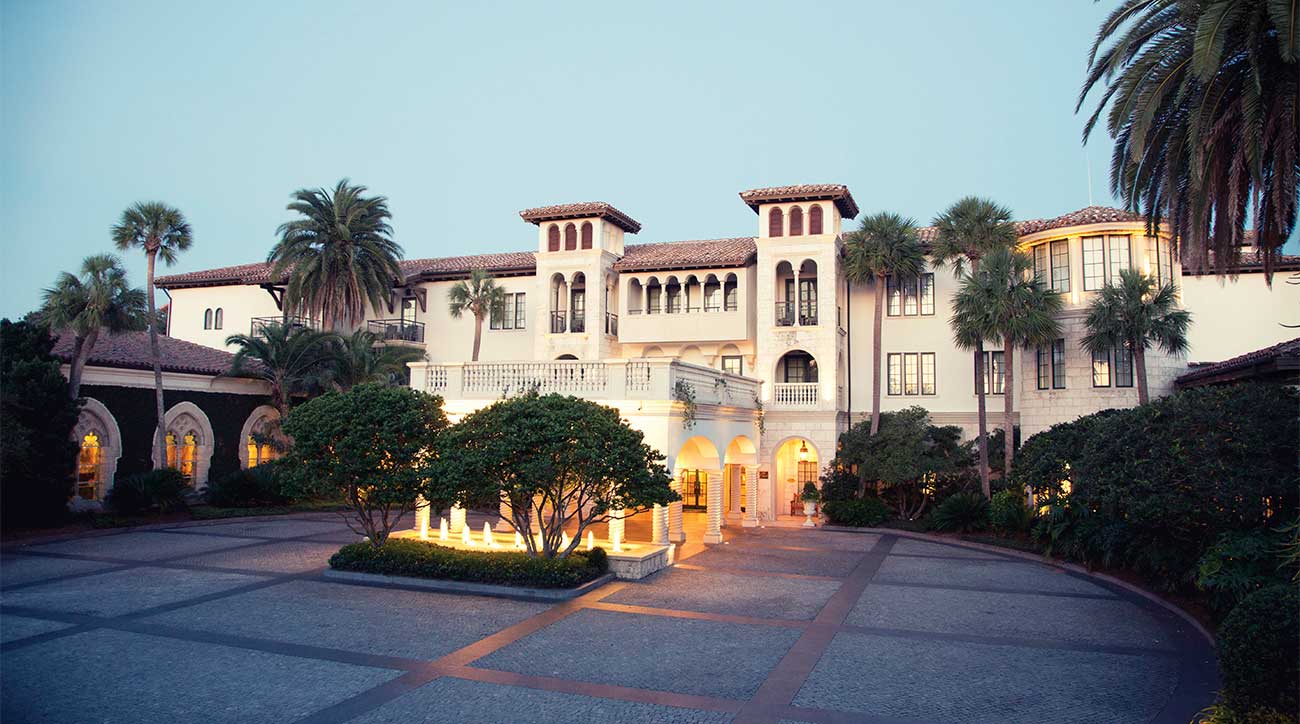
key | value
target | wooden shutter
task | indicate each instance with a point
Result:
(775, 223)
(586, 234)
(815, 219)
(553, 238)
(570, 237)
(796, 221)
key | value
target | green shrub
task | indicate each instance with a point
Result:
(961, 513)
(839, 483)
(1221, 713)
(405, 557)
(1008, 512)
(858, 512)
(1239, 564)
(247, 488)
(1258, 656)
(162, 489)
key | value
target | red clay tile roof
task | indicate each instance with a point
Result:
(1084, 216)
(1289, 351)
(1249, 261)
(705, 253)
(839, 193)
(130, 350)
(255, 273)
(599, 209)
(260, 272)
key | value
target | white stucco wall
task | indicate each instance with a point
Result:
(1234, 316)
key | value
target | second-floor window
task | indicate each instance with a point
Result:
(911, 373)
(207, 319)
(994, 372)
(1061, 266)
(1051, 366)
(1112, 367)
(1120, 255)
(1094, 263)
(910, 297)
(730, 297)
(1160, 258)
(511, 313)
(733, 364)
(712, 296)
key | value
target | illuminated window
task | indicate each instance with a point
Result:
(1094, 263)
(1041, 272)
(259, 453)
(182, 456)
(90, 468)
(1120, 256)
(1061, 266)
(1101, 368)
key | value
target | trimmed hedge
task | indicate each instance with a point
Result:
(404, 557)
(962, 513)
(248, 488)
(857, 512)
(1258, 651)
(162, 488)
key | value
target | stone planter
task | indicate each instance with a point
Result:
(809, 510)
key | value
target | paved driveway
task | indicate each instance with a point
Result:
(232, 623)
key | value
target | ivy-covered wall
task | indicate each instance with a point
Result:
(134, 409)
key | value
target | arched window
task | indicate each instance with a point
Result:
(815, 219)
(90, 468)
(553, 238)
(796, 221)
(182, 453)
(775, 223)
(218, 319)
(586, 234)
(570, 237)
(259, 453)
(207, 319)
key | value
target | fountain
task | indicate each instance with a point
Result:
(442, 529)
(519, 541)
(591, 540)
(464, 536)
(487, 536)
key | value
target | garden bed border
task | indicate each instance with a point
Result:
(466, 588)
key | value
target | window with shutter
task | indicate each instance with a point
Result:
(586, 234)
(815, 219)
(775, 223)
(570, 237)
(796, 221)
(553, 238)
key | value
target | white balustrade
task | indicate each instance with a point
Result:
(796, 394)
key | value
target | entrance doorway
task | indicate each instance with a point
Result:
(695, 489)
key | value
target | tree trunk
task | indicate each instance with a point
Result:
(159, 436)
(74, 369)
(1140, 360)
(478, 335)
(983, 421)
(1008, 405)
(877, 327)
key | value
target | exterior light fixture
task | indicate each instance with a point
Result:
(803, 451)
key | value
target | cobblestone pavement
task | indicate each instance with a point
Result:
(232, 622)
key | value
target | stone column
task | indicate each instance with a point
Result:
(675, 532)
(713, 530)
(457, 519)
(751, 497)
(659, 525)
(504, 525)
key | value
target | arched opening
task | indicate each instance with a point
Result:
(586, 234)
(692, 354)
(654, 296)
(559, 303)
(808, 292)
(672, 296)
(207, 319)
(578, 303)
(635, 296)
(775, 222)
(712, 294)
(652, 351)
(258, 438)
(696, 459)
(570, 237)
(740, 457)
(691, 293)
(98, 449)
(796, 366)
(566, 357)
(730, 294)
(553, 238)
(796, 463)
(188, 443)
(796, 221)
(815, 219)
(785, 294)
(218, 319)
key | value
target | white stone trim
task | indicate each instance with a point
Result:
(96, 417)
(119, 377)
(262, 412)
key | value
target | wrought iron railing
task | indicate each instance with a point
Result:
(611, 324)
(393, 330)
(257, 324)
(785, 314)
(808, 313)
(558, 322)
(578, 321)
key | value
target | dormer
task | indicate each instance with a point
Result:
(586, 226)
(806, 210)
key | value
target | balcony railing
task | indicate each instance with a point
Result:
(578, 321)
(558, 322)
(796, 394)
(611, 324)
(397, 330)
(808, 313)
(257, 324)
(624, 379)
(785, 314)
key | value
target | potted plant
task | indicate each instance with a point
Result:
(809, 496)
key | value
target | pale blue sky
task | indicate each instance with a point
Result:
(462, 116)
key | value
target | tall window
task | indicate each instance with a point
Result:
(1041, 272)
(1161, 259)
(90, 471)
(1123, 366)
(730, 296)
(1094, 263)
(1061, 266)
(1101, 368)
(586, 234)
(570, 237)
(510, 313)
(910, 297)
(207, 319)
(775, 223)
(733, 364)
(1120, 255)
(219, 319)
(799, 367)
(796, 221)
(815, 219)
(1051, 366)
(181, 456)
(994, 372)
(911, 373)
(712, 296)
(553, 238)
(1044, 360)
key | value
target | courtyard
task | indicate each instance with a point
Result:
(232, 622)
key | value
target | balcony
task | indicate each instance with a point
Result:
(785, 314)
(257, 324)
(611, 324)
(397, 330)
(558, 325)
(796, 394)
(684, 324)
(611, 380)
(578, 321)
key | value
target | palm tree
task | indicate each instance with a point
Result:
(1137, 312)
(477, 295)
(884, 245)
(100, 299)
(291, 358)
(1205, 117)
(1023, 314)
(339, 255)
(358, 360)
(967, 231)
(162, 232)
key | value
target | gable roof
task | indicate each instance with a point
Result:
(704, 253)
(130, 350)
(1281, 357)
(839, 193)
(599, 209)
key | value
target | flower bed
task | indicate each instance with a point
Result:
(418, 559)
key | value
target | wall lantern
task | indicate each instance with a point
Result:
(803, 451)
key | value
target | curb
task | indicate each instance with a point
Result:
(1038, 558)
(465, 588)
(103, 532)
